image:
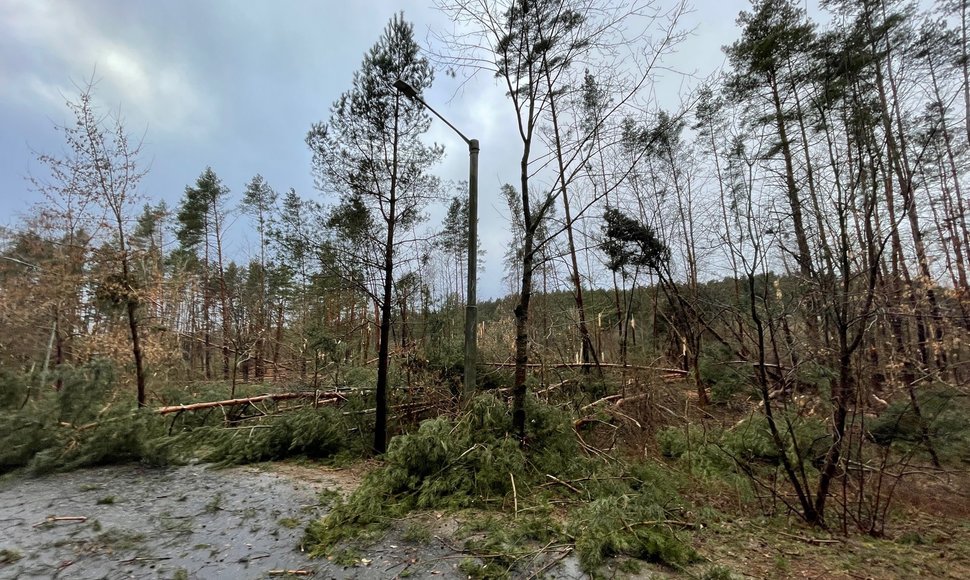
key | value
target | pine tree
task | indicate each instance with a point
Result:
(370, 154)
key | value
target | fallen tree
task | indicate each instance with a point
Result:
(319, 397)
(672, 371)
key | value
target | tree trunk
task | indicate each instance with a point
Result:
(588, 352)
(804, 255)
(525, 296)
(383, 352)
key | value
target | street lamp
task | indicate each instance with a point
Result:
(471, 310)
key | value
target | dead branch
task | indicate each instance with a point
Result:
(561, 482)
(816, 541)
(55, 519)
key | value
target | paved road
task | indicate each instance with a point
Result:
(187, 522)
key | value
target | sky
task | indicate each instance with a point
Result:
(235, 85)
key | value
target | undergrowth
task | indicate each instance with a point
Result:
(726, 454)
(474, 462)
(944, 415)
(90, 422)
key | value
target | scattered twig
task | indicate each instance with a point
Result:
(811, 540)
(678, 523)
(624, 415)
(55, 519)
(290, 572)
(538, 573)
(606, 399)
(448, 545)
(145, 559)
(561, 482)
(515, 496)
(63, 565)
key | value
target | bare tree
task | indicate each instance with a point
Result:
(101, 166)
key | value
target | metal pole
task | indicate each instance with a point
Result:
(471, 306)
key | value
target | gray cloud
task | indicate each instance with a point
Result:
(236, 85)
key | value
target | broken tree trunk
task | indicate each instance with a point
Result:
(318, 396)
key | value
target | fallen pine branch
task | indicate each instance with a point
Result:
(320, 397)
(615, 402)
(678, 523)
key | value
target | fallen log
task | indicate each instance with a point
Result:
(323, 397)
(680, 372)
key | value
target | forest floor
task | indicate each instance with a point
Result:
(247, 522)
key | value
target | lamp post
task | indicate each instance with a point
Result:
(471, 308)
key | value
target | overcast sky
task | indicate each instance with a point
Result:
(236, 85)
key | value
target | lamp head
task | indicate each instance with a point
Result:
(406, 89)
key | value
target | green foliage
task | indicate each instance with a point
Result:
(471, 461)
(451, 464)
(473, 568)
(417, 533)
(74, 427)
(288, 523)
(84, 424)
(716, 452)
(119, 437)
(725, 380)
(629, 243)
(945, 413)
(84, 391)
(13, 390)
(628, 525)
(23, 434)
(447, 358)
(718, 573)
(308, 432)
(629, 515)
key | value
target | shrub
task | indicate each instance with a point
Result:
(946, 415)
(715, 452)
(725, 380)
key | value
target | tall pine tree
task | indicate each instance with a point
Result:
(370, 154)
